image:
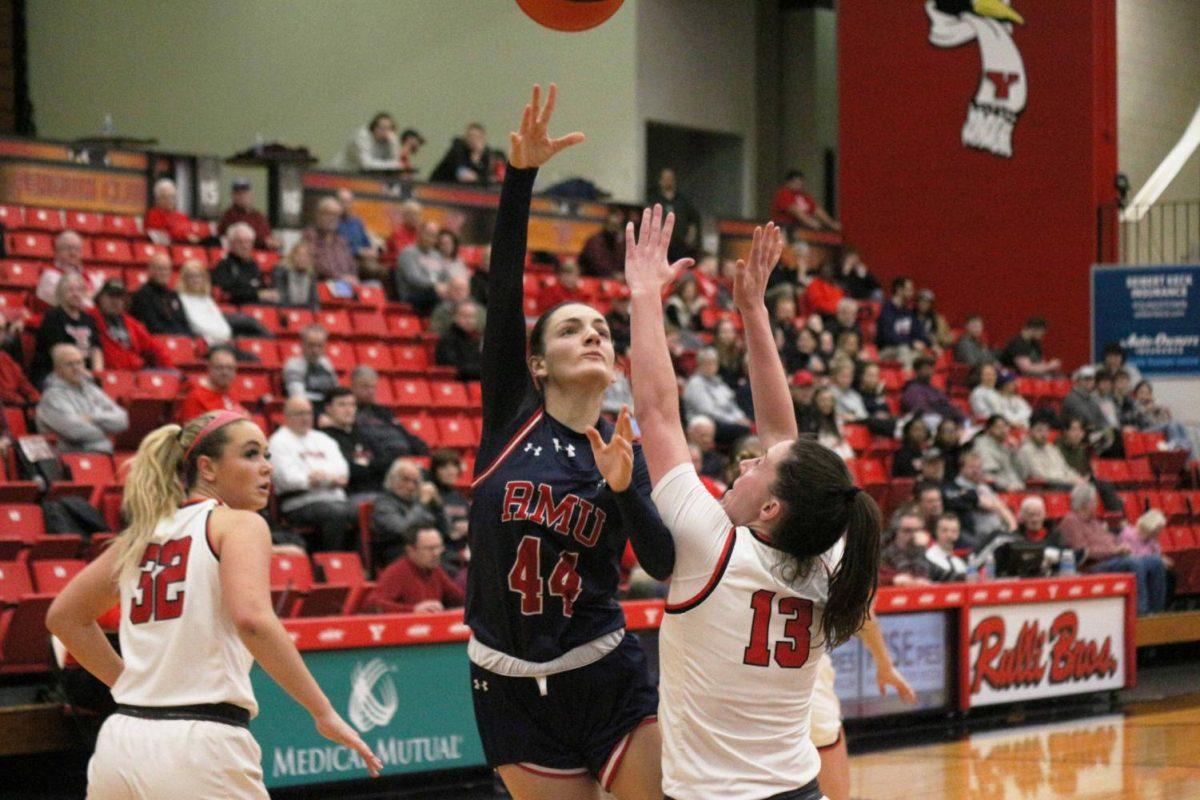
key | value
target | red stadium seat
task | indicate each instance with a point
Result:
(120, 225)
(346, 569)
(266, 260)
(84, 222)
(182, 253)
(267, 316)
(55, 547)
(412, 393)
(12, 217)
(335, 322)
(22, 274)
(183, 349)
(44, 219)
(158, 385)
(457, 432)
(50, 577)
(1173, 505)
(112, 251)
(24, 643)
(201, 229)
(250, 387)
(370, 325)
(142, 252)
(449, 395)
(91, 469)
(375, 355)
(869, 472)
(294, 319)
(264, 349)
(372, 295)
(405, 326)
(421, 425)
(1058, 504)
(1133, 504)
(342, 356)
(288, 348)
(30, 245)
(410, 358)
(1140, 472)
(117, 384)
(475, 394)
(1113, 471)
(22, 519)
(857, 436)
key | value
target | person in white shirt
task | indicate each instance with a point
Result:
(375, 146)
(760, 589)
(203, 315)
(947, 566)
(310, 478)
(985, 398)
(68, 257)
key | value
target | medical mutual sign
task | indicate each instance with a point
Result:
(1154, 312)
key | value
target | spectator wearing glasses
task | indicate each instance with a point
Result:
(416, 583)
(406, 504)
(367, 467)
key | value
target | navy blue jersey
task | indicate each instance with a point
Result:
(546, 532)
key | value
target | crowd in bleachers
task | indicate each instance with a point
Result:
(359, 355)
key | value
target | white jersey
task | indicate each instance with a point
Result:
(738, 653)
(179, 645)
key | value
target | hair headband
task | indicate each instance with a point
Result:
(221, 419)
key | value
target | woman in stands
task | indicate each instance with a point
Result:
(778, 571)
(191, 576)
(563, 698)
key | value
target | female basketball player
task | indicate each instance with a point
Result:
(781, 569)
(563, 698)
(191, 573)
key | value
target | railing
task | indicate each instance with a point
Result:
(1162, 233)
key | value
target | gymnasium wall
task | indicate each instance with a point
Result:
(1006, 236)
(809, 115)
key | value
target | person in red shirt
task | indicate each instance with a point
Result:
(404, 234)
(417, 582)
(565, 288)
(241, 209)
(15, 387)
(164, 217)
(211, 393)
(125, 342)
(793, 206)
(823, 293)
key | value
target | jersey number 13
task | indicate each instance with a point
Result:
(791, 651)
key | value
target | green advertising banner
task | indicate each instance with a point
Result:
(411, 704)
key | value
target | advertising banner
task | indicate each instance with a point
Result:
(918, 646)
(1035, 650)
(1154, 312)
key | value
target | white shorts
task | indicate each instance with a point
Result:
(825, 725)
(183, 759)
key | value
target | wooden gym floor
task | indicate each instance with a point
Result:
(1151, 751)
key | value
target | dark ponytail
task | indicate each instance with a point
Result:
(820, 504)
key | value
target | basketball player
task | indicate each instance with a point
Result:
(782, 568)
(563, 698)
(191, 573)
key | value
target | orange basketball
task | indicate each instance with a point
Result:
(569, 15)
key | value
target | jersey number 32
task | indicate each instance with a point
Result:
(160, 592)
(525, 577)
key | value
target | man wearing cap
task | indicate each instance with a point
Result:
(125, 342)
(1024, 351)
(237, 274)
(241, 209)
(803, 388)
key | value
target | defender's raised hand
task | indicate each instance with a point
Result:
(614, 459)
(752, 273)
(532, 146)
(646, 267)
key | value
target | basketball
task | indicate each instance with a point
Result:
(570, 15)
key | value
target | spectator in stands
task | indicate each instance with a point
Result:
(1142, 538)
(1151, 415)
(374, 147)
(469, 160)
(899, 335)
(1023, 352)
(1083, 530)
(448, 246)
(702, 432)
(461, 346)
(849, 345)
(416, 583)
(479, 278)
(850, 404)
(977, 505)
(211, 392)
(1127, 409)
(156, 305)
(871, 389)
(310, 374)
(404, 233)
(803, 388)
(367, 467)
(822, 294)
(619, 321)
(731, 353)
(68, 258)
(971, 348)
(565, 288)
(934, 323)
(66, 323)
(1113, 360)
(806, 352)
(458, 289)
(685, 239)
(422, 275)
(171, 225)
(1000, 467)
(821, 421)
(857, 279)
(906, 461)
(125, 342)
(241, 209)
(331, 255)
(603, 254)
(354, 232)
(705, 393)
(794, 206)
(378, 422)
(1081, 402)
(1039, 460)
(928, 496)
(684, 305)
(985, 399)
(1031, 528)
(16, 390)
(406, 503)
(948, 440)
(204, 316)
(1016, 409)
(946, 565)
(295, 278)
(1106, 399)
(445, 470)
(844, 318)
(920, 396)
(933, 467)
(237, 274)
(75, 409)
(902, 562)
(411, 143)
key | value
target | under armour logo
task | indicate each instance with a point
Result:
(557, 446)
(570, 451)
(537, 451)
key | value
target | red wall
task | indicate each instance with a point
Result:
(1008, 237)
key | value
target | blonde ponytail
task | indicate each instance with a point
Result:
(153, 490)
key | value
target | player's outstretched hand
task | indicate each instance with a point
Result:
(750, 277)
(531, 146)
(647, 270)
(615, 459)
(890, 677)
(335, 729)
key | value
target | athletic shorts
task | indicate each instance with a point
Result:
(183, 759)
(581, 726)
(825, 725)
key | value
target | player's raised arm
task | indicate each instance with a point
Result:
(504, 382)
(655, 394)
(773, 413)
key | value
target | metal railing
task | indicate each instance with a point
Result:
(1162, 233)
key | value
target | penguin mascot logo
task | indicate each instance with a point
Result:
(1002, 89)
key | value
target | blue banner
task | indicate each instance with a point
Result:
(1154, 312)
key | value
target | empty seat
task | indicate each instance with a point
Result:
(44, 219)
(341, 354)
(51, 576)
(294, 319)
(84, 222)
(412, 393)
(267, 316)
(183, 349)
(22, 519)
(112, 251)
(30, 245)
(142, 252)
(122, 225)
(118, 384)
(405, 326)
(93, 469)
(12, 217)
(449, 395)
(369, 325)
(410, 358)
(23, 274)
(265, 350)
(457, 432)
(183, 253)
(250, 387)
(375, 355)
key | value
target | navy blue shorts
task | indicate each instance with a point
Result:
(581, 726)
